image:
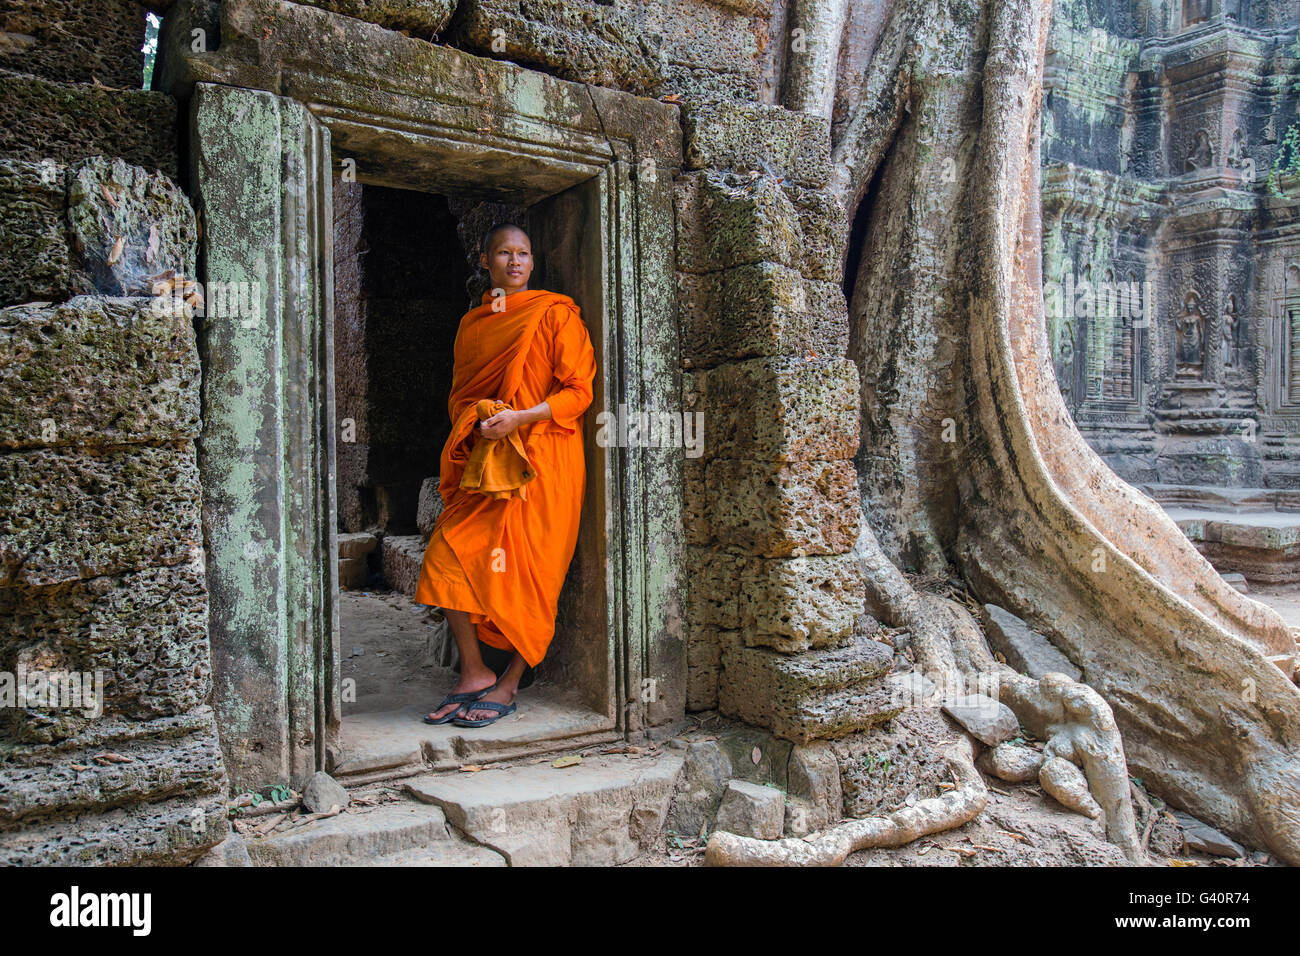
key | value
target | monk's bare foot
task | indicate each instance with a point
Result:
(469, 682)
(501, 694)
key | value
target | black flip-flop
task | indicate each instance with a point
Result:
(468, 697)
(502, 711)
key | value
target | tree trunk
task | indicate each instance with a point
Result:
(969, 456)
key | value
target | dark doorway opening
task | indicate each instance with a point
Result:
(405, 272)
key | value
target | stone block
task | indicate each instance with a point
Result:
(989, 721)
(777, 409)
(354, 573)
(705, 774)
(42, 120)
(601, 45)
(782, 509)
(759, 309)
(170, 832)
(751, 810)
(37, 264)
(422, 18)
(598, 813)
(146, 631)
(74, 41)
(883, 768)
(727, 220)
(429, 506)
(401, 558)
(703, 664)
(815, 794)
(757, 137)
(127, 225)
(65, 516)
(1024, 649)
(96, 371)
(713, 584)
(811, 696)
(357, 546)
(163, 758)
(792, 604)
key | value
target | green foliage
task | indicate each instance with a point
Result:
(1287, 160)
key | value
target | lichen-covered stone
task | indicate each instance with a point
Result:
(36, 264)
(63, 122)
(777, 409)
(757, 137)
(127, 225)
(77, 514)
(95, 371)
(759, 309)
(689, 48)
(821, 694)
(781, 509)
(726, 219)
(146, 631)
(74, 41)
(423, 18)
(792, 604)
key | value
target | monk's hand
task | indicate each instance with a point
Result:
(499, 425)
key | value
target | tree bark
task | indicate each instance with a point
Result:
(969, 453)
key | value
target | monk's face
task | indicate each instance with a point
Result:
(509, 260)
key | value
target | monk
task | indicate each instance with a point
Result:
(499, 552)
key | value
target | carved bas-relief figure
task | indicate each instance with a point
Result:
(1202, 155)
(1228, 332)
(1189, 340)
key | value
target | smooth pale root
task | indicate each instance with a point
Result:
(831, 847)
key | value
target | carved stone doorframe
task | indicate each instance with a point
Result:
(290, 90)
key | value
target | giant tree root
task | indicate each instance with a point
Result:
(831, 847)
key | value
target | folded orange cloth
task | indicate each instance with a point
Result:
(497, 467)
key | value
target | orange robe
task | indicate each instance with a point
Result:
(503, 559)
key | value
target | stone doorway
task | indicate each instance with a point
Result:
(402, 280)
(276, 115)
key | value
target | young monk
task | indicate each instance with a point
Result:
(497, 558)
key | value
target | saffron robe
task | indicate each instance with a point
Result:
(503, 560)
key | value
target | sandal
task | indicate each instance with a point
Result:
(502, 711)
(466, 698)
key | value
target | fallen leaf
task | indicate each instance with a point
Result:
(569, 760)
(109, 757)
(80, 766)
(756, 755)
(471, 768)
(116, 254)
(112, 200)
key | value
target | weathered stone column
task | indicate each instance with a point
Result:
(102, 594)
(261, 173)
(772, 506)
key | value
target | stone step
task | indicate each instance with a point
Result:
(400, 832)
(604, 811)
(389, 745)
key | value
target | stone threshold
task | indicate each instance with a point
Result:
(395, 744)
